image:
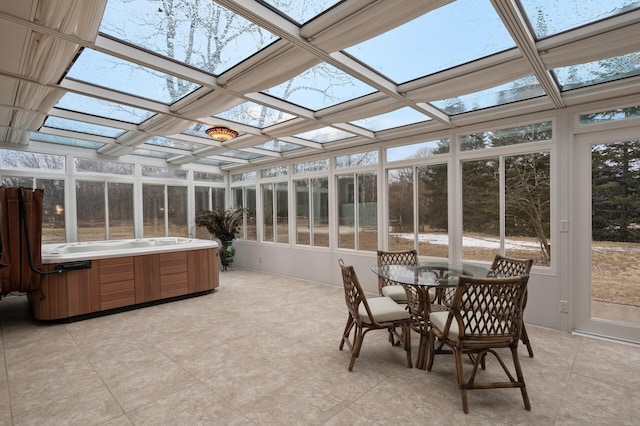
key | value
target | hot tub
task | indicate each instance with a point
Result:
(56, 253)
(119, 274)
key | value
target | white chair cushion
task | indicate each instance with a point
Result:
(383, 309)
(396, 292)
(439, 319)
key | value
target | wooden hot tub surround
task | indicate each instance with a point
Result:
(122, 281)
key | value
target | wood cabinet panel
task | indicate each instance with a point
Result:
(125, 281)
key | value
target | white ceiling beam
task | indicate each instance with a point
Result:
(517, 27)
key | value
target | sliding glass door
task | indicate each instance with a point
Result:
(607, 262)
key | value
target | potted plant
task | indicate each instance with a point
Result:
(223, 225)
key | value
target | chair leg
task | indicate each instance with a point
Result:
(357, 344)
(347, 331)
(430, 350)
(520, 378)
(461, 382)
(525, 339)
(406, 337)
(423, 347)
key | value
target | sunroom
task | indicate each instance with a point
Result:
(459, 128)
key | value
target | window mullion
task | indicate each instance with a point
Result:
(503, 208)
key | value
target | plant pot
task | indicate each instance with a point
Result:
(226, 254)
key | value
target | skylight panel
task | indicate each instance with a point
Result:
(151, 153)
(400, 117)
(114, 73)
(201, 34)
(324, 135)
(197, 130)
(549, 17)
(234, 153)
(211, 162)
(524, 88)
(278, 146)
(63, 140)
(82, 127)
(174, 143)
(320, 87)
(604, 70)
(451, 35)
(301, 11)
(102, 108)
(255, 115)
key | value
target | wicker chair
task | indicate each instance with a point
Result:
(391, 288)
(379, 313)
(485, 315)
(508, 267)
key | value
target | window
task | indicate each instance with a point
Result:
(53, 211)
(120, 210)
(311, 166)
(91, 217)
(506, 207)
(312, 211)
(243, 177)
(164, 211)
(355, 160)
(419, 192)
(401, 209)
(275, 212)
(104, 210)
(357, 205)
(245, 196)
(19, 160)
(95, 166)
(267, 212)
(433, 211)
(274, 171)
(510, 136)
(418, 150)
(208, 177)
(163, 172)
(610, 115)
(207, 198)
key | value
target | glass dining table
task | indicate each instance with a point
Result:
(429, 287)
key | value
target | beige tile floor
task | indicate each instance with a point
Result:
(263, 350)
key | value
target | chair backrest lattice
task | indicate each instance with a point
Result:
(404, 257)
(489, 309)
(353, 293)
(503, 266)
(510, 267)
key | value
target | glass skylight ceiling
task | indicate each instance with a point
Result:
(548, 17)
(301, 11)
(279, 146)
(456, 33)
(62, 140)
(324, 135)
(525, 88)
(102, 108)
(389, 120)
(205, 34)
(127, 77)
(256, 115)
(582, 75)
(290, 76)
(82, 127)
(320, 87)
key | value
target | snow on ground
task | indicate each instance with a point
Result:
(484, 242)
(494, 243)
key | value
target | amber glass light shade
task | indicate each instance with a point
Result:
(221, 133)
